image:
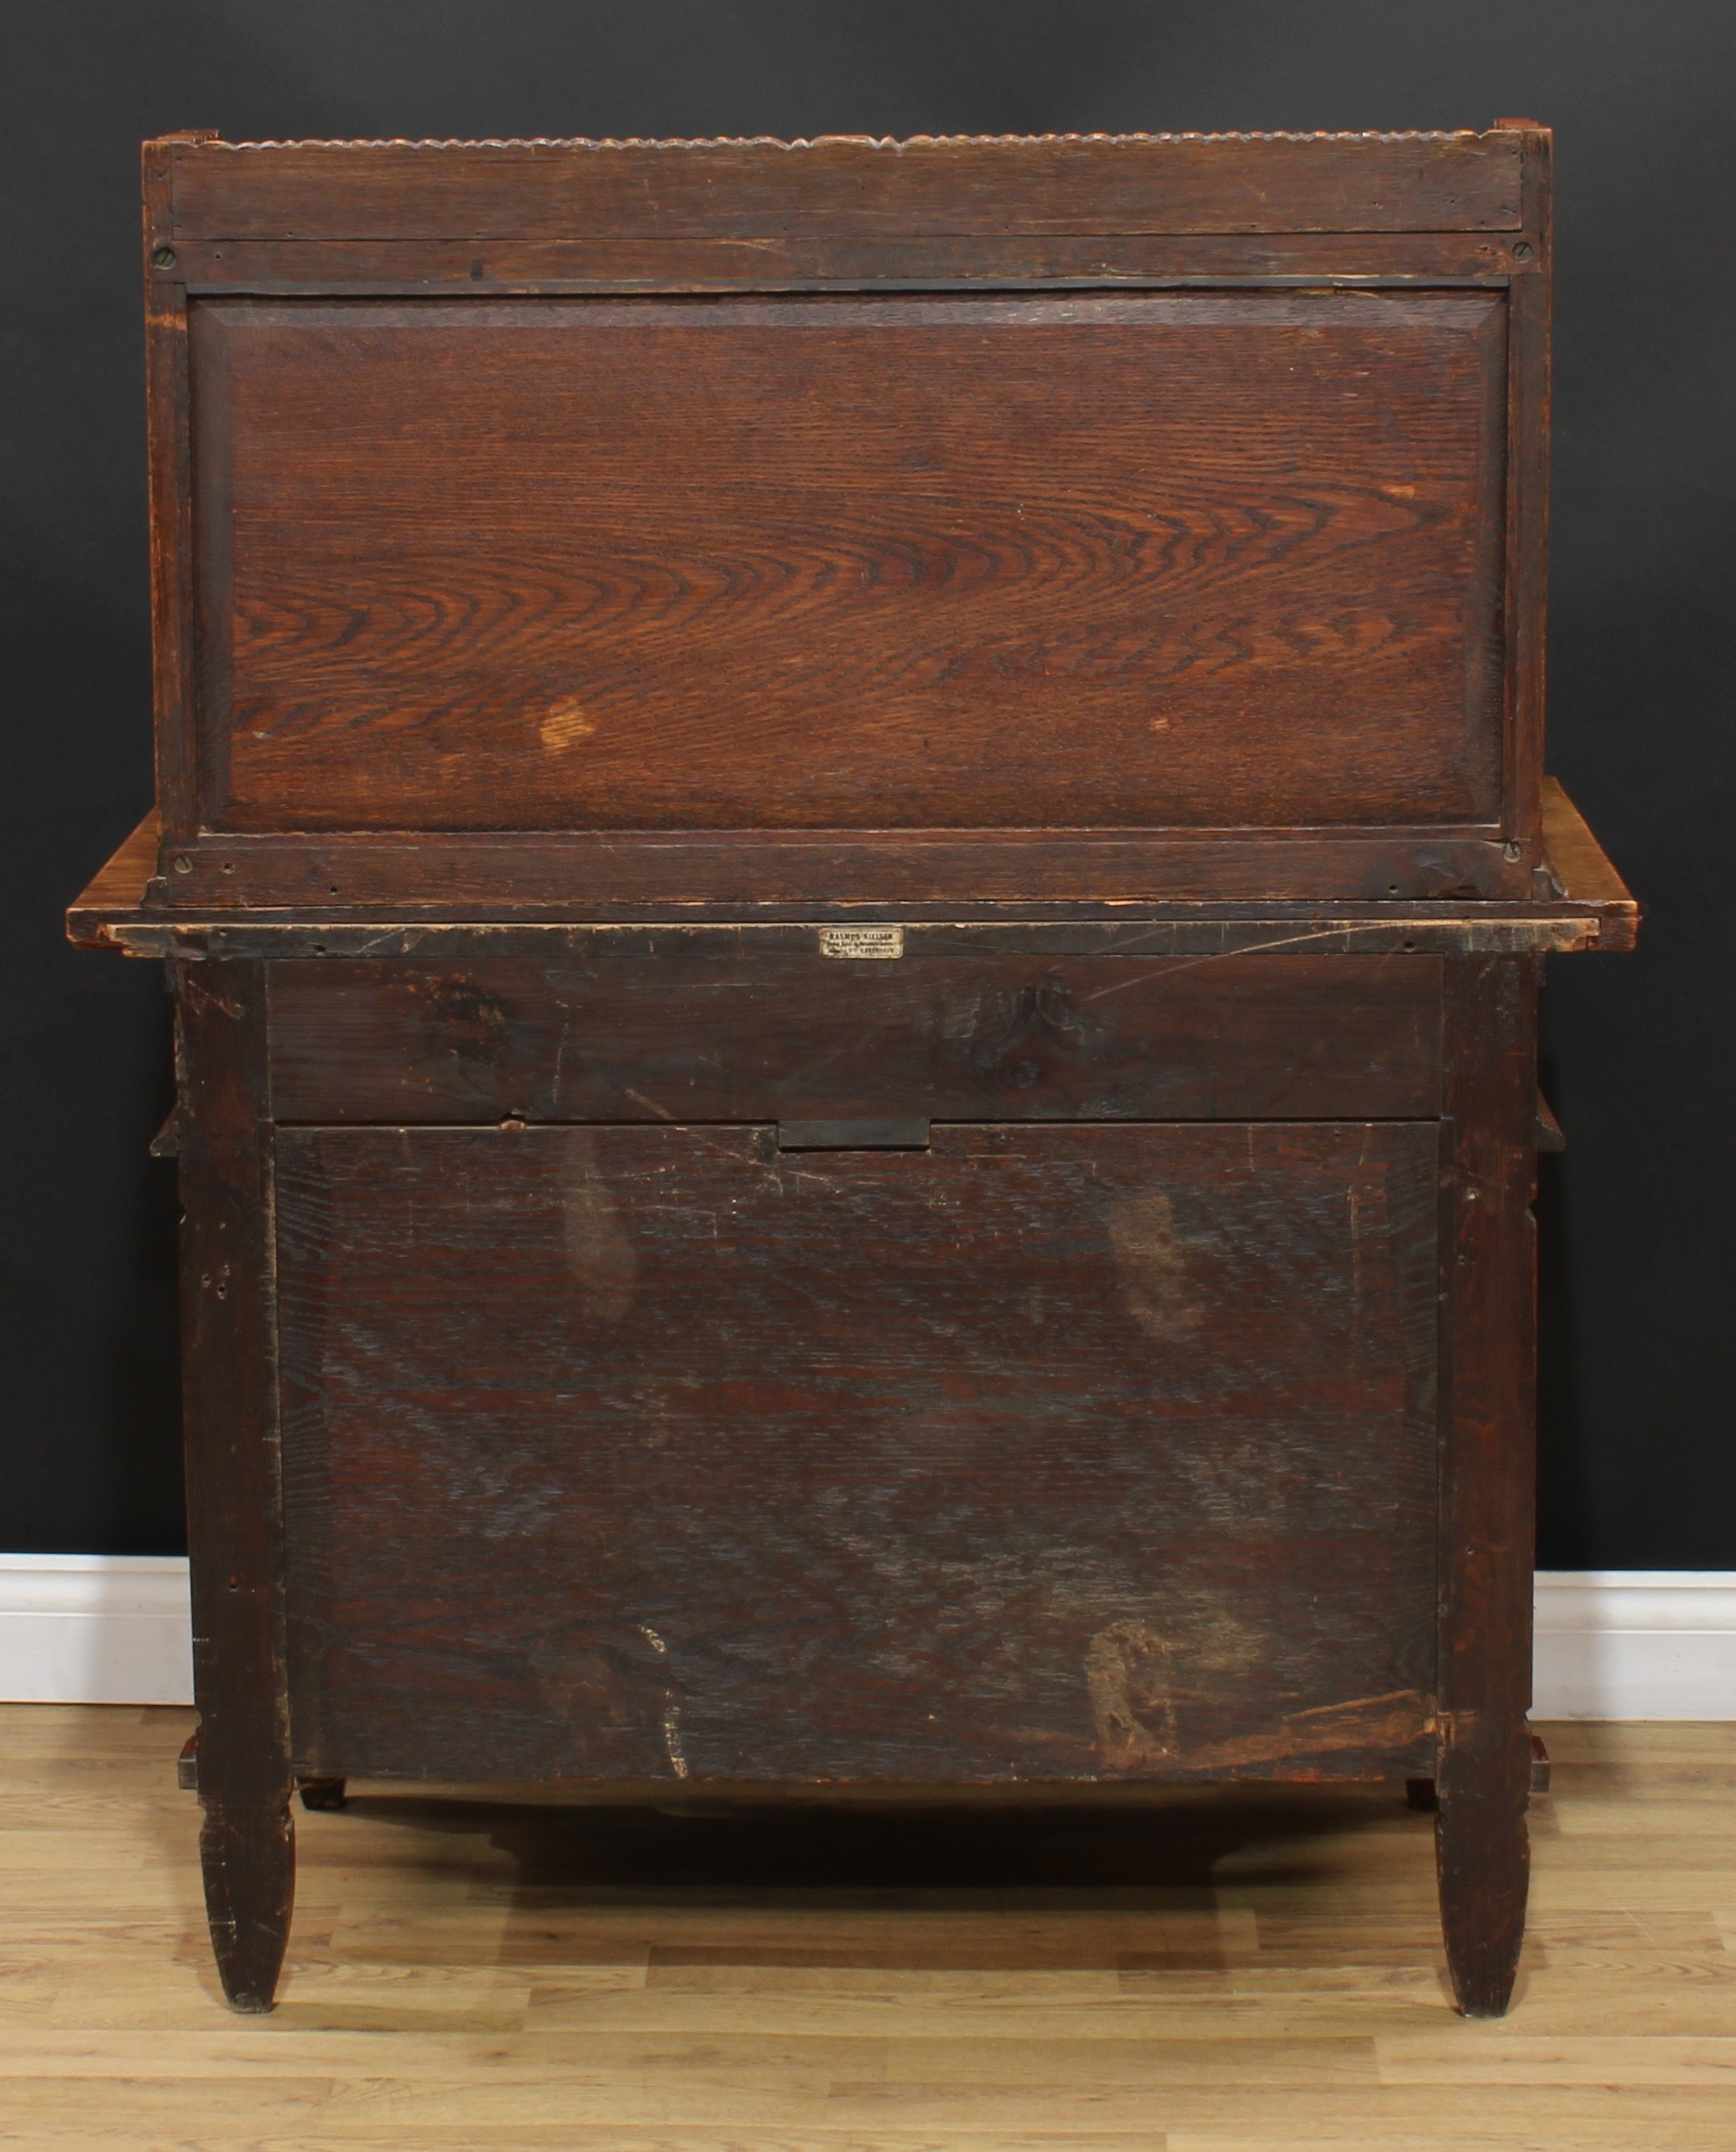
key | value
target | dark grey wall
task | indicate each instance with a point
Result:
(1638, 1342)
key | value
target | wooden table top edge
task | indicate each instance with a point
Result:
(1593, 909)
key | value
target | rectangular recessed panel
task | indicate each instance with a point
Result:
(1062, 1452)
(852, 562)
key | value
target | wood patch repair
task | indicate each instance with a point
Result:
(1127, 1678)
(563, 725)
(1153, 1259)
(1138, 1702)
(599, 1257)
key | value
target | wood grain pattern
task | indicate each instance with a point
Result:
(816, 874)
(815, 259)
(729, 538)
(115, 895)
(1047, 1453)
(1527, 547)
(1589, 906)
(899, 597)
(713, 1036)
(234, 1518)
(175, 687)
(1241, 1967)
(852, 183)
(1489, 1471)
(1132, 561)
(1581, 871)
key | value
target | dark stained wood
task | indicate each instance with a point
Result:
(1080, 1330)
(812, 872)
(928, 563)
(1202, 931)
(849, 184)
(907, 1134)
(1527, 547)
(1488, 1526)
(173, 628)
(234, 1518)
(799, 1036)
(1482, 1853)
(1587, 905)
(1420, 1793)
(322, 1794)
(815, 259)
(1260, 564)
(1046, 1453)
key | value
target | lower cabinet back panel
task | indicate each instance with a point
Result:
(1056, 1452)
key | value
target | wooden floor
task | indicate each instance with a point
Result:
(1232, 1970)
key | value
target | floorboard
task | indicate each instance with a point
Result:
(1217, 1971)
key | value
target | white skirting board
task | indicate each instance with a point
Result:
(95, 1629)
(1635, 1644)
(1612, 1644)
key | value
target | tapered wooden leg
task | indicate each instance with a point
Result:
(1482, 1859)
(234, 1507)
(1482, 1771)
(246, 1849)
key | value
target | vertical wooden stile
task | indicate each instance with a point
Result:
(1528, 405)
(168, 403)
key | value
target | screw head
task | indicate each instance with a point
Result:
(1522, 250)
(1511, 850)
(164, 258)
(183, 865)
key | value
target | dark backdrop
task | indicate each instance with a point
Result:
(1639, 1466)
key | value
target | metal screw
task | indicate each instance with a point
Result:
(1511, 850)
(1522, 250)
(164, 258)
(183, 865)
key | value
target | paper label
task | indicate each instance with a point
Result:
(860, 941)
